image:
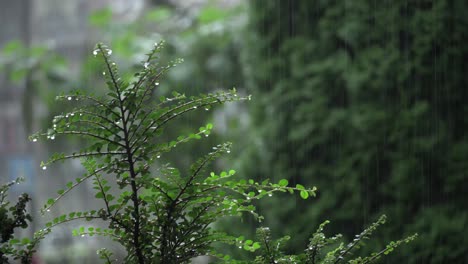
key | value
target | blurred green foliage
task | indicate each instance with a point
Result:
(367, 101)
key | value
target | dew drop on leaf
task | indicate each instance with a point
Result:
(156, 83)
(103, 73)
(44, 167)
(69, 98)
(34, 140)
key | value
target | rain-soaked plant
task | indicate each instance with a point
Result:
(159, 214)
(323, 250)
(13, 217)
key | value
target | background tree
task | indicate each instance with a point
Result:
(366, 100)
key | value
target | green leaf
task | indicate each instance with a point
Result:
(101, 17)
(211, 14)
(159, 14)
(12, 46)
(283, 183)
(304, 194)
(256, 245)
(69, 185)
(13, 241)
(300, 187)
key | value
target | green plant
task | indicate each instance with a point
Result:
(13, 217)
(321, 250)
(157, 213)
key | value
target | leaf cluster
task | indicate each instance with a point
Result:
(12, 217)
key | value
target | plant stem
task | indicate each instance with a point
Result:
(133, 174)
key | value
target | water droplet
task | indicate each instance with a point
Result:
(113, 64)
(118, 122)
(72, 114)
(270, 194)
(34, 140)
(52, 137)
(146, 65)
(82, 235)
(109, 52)
(103, 73)
(206, 109)
(158, 156)
(69, 98)
(240, 246)
(48, 210)
(156, 83)
(95, 52)
(195, 107)
(228, 151)
(55, 125)
(44, 167)
(206, 135)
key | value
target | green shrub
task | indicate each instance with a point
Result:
(13, 217)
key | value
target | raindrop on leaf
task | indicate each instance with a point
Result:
(69, 98)
(44, 167)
